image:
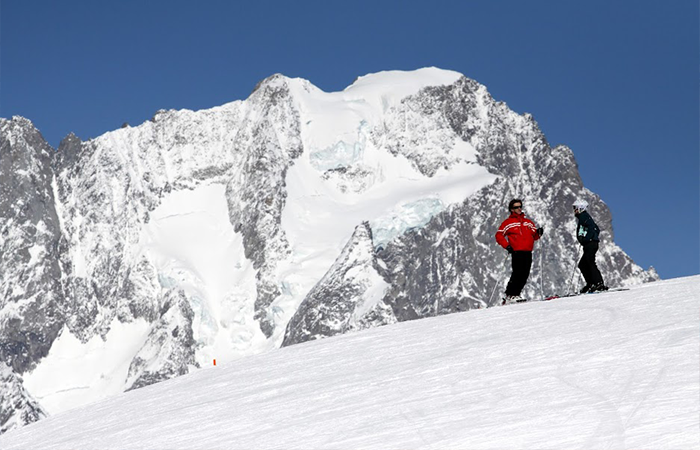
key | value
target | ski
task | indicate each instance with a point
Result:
(555, 297)
(609, 290)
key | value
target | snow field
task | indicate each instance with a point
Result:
(614, 370)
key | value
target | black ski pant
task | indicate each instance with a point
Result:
(521, 263)
(587, 265)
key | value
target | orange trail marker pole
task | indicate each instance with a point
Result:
(214, 361)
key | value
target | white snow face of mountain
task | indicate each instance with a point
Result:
(611, 370)
(347, 176)
(290, 216)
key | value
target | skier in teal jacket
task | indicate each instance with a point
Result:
(588, 235)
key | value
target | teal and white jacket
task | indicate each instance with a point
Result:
(587, 230)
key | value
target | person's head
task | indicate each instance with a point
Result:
(580, 206)
(515, 206)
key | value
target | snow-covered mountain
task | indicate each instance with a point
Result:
(293, 215)
(616, 370)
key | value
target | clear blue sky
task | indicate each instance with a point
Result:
(617, 81)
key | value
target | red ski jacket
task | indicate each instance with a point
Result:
(518, 232)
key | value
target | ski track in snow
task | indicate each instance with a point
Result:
(609, 371)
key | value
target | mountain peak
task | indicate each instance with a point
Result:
(275, 80)
(416, 79)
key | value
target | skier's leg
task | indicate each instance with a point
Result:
(512, 283)
(585, 266)
(596, 277)
(522, 262)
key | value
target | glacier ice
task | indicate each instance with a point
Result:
(403, 218)
(342, 154)
(337, 156)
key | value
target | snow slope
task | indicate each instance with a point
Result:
(612, 370)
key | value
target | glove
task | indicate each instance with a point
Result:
(540, 231)
(509, 249)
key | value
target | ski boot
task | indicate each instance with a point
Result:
(511, 299)
(598, 287)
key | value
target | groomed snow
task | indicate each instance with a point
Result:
(617, 370)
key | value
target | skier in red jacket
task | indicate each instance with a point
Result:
(517, 234)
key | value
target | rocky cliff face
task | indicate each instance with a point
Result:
(17, 407)
(349, 297)
(408, 184)
(31, 300)
(29, 247)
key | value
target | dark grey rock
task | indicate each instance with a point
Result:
(30, 276)
(170, 348)
(17, 406)
(344, 299)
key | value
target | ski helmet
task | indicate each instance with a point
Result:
(580, 204)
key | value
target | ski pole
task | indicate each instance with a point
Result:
(541, 271)
(573, 271)
(505, 263)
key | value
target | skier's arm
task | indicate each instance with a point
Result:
(501, 236)
(536, 232)
(593, 230)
